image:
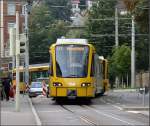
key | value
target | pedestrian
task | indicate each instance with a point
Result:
(2, 93)
(6, 83)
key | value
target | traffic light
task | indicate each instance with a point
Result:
(22, 43)
(29, 6)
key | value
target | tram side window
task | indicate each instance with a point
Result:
(51, 65)
(21, 77)
(92, 67)
(104, 69)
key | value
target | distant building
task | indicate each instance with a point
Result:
(89, 4)
(75, 6)
(8, 10)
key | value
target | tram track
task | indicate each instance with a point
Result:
(81, 114)
(110, 115)
(85, 118)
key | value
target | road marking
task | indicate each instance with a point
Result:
(117, 107)
(109, 100)
(37, 119)
(52, 111)
(87, 120)
(109, 115)
(136, 112)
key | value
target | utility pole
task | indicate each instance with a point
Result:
(2, 28)
(17, 63)
(149, 44)
(133, 54)
(27, 47)
(116, 28)
(116, 38)
(12, 45)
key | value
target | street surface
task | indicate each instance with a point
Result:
(104, 110)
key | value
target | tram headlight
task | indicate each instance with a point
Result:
(85, 84)
(56, 84)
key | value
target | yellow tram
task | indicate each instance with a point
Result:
(76, 70)
(36, 71)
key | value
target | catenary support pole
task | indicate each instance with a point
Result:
(17, 99)
(26, 48)
(116, 40)
(133, 54)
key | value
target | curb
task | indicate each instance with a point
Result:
(140, 112)
(136, 108)
(37, 119)
(124, 90)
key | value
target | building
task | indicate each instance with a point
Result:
(8, 10)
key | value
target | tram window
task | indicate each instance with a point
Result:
(51, 65)
(21, 76)
(104, 68)
(92, 67)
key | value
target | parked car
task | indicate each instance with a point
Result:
(35, 89)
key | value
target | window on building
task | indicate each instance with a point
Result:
(11, 9)
(11, 25)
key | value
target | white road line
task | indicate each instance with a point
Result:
(87, 120)
(52, 111)
(136, 112)
(110, 116)
(38, 121)
(117, 107)
(109, 100)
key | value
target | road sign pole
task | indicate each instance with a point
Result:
(143, 96)
(17, 63)
(27, 47)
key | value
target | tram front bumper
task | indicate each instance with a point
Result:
(73, 92)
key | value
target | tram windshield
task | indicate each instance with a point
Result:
(72, 61)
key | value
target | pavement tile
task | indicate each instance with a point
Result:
(10, 117)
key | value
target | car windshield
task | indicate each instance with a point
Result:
(36, 85)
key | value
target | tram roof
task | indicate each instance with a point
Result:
(76, 41)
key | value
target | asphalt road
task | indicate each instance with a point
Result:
(103, 110)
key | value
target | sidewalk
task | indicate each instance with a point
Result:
(131, 100)
(10, 117)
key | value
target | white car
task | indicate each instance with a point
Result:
(35, 89)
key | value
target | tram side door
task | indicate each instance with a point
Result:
(98, 74)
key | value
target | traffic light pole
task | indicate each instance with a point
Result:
(17, 63)
(27, 48)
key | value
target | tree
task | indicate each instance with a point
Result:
(140, 9)
(61, 9)
(96, 28)
(57, 30)
(46, 24)
(120, 61)
(38, 38)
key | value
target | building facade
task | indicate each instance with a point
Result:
(8, 10)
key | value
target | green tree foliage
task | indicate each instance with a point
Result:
(102, 10)
(140, 9)
(40, 18)
(120, 61)
(47, 22)
(61, 9)
(57, 30)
